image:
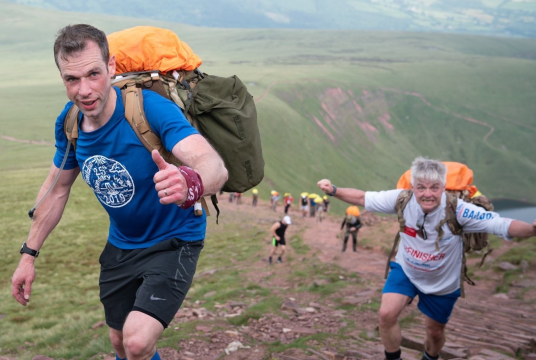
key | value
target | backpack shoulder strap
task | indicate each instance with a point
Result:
(70, 125)
(135, 115)
(401, 202)
(450, 219)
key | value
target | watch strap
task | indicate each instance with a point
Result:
(26, 250)
(334, 190)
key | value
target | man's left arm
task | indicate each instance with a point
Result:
(475, 219)
(195, 152)
(522, 229)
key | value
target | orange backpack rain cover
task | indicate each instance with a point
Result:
(146, 48)
(459, 178)
(352, 210)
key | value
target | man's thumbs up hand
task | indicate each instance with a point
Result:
(169, 182)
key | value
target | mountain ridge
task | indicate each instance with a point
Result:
(485, 17)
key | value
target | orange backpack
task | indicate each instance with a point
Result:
(459, 178)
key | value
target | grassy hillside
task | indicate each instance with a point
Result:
(353, 106)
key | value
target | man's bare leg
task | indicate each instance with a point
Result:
(435, 336)
(138, 339)
(390, 309)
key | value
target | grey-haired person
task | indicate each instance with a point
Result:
(420, 268)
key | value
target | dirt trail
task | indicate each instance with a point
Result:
(484, 325)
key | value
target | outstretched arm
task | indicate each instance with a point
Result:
(46, 217)
(522, 229)
(349, 195)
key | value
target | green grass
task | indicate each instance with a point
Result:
(255, 312)
(526, 251)
(489, 79)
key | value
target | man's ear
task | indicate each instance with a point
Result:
(111, 66)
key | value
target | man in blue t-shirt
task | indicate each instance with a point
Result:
(155, 238)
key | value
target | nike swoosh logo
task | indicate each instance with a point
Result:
(156, 298)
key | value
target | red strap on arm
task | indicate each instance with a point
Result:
(194, 184)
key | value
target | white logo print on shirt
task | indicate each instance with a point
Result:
(109, 179)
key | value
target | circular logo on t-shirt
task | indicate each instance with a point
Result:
(109, 179)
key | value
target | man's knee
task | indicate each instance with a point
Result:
(391, 308)
(138, 345)
(435, 333)
(387, 317)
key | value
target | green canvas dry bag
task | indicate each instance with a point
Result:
(224, 112)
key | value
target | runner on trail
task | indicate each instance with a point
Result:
(304, 203)
(155, 238)
(278, 238)
(288, 200)
(312, 204)
(325, 201)
(238, 197)
(429, 258)
(353, 223)
(255, 197)
(319, 208)
(274, 200)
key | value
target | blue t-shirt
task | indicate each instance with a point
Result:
(115, 164)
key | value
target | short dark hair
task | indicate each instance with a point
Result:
(74, 38)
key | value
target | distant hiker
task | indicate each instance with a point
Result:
(278, 238)
(238, 197)
(325, 200)
(319, 208)
(430, 256)
(255, 196)
(353, 223)
(231, 197)
(288, 200)
(304, 203)
(154, 239)
(274, 200)
(312, 205)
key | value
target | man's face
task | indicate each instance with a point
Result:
(87, 80)
(428, 194)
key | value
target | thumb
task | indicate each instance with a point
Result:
(27, 291)
(159, 160)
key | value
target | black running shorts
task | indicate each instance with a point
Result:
(275, 242)
(153, 280)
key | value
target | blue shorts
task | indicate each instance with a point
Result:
(436, 307)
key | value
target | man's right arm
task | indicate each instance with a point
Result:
(349, 195)
(46, 217)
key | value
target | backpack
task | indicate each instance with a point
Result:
(459, 179)
(220, 108)
(352, 210)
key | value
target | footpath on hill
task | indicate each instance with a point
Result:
(326, 301)
(319, 324)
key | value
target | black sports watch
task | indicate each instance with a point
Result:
(26, 250)
(334, 191)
